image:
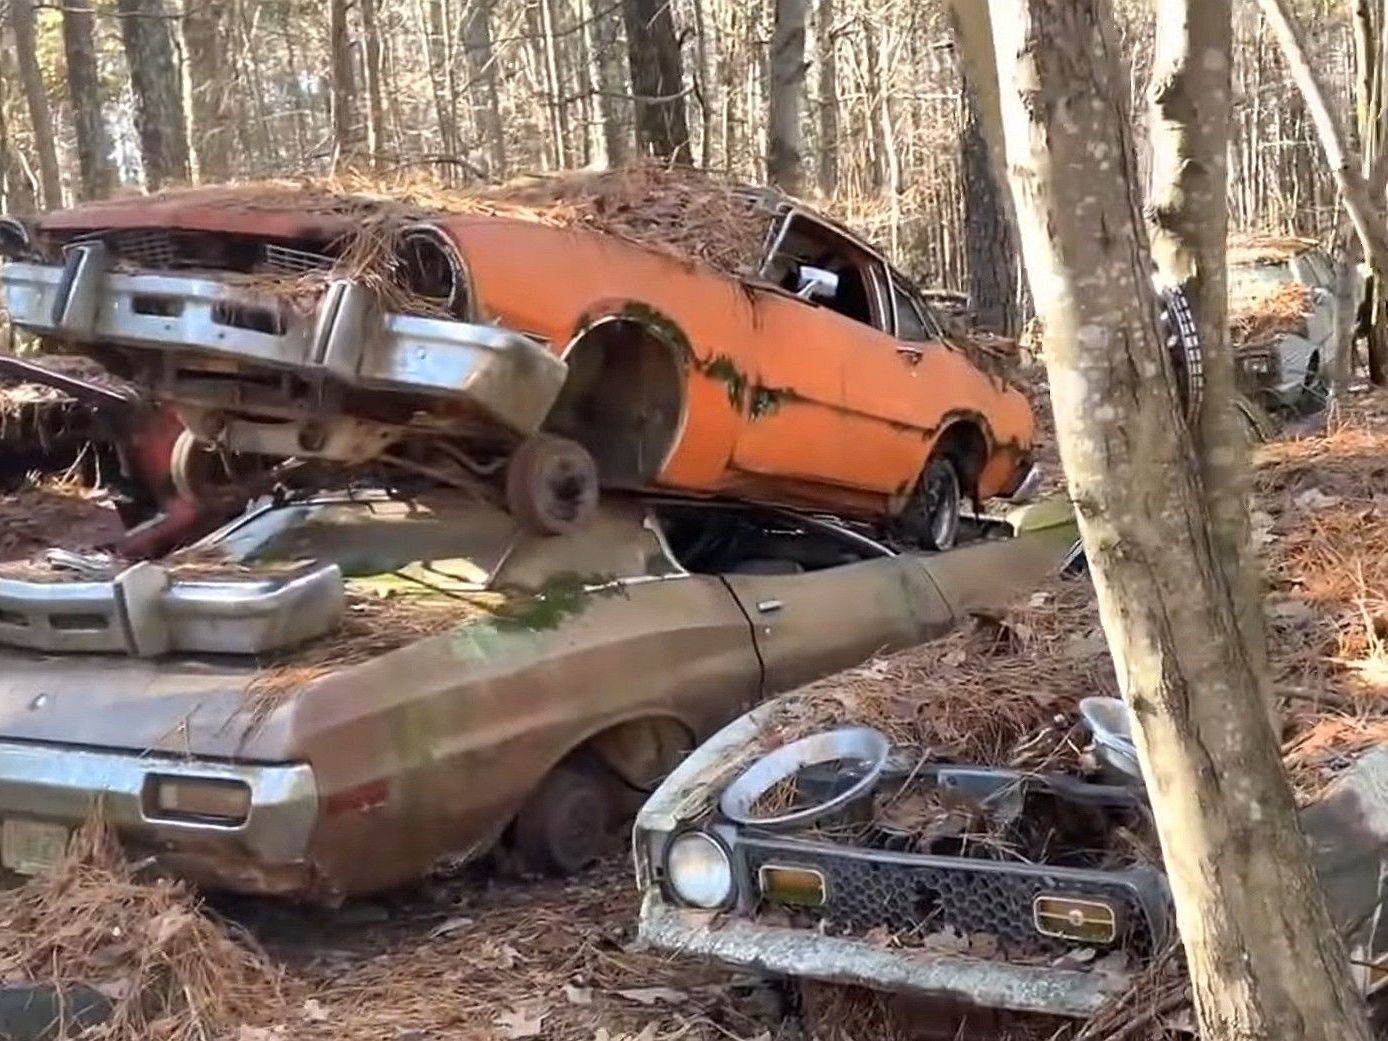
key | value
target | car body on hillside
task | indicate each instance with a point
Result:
(814, 376)
(336, 691)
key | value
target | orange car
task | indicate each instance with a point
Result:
(817, 377)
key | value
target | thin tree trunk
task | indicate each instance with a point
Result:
(31, 79)
(344, 86)
(657, 80)
(209, 88)
(1264, 959)
(371, 66)
(156, 82)
(1363, 206)
(477, 44)
(604, 54)
(988, 237)
(96, 175)
(16, 186)
(703, 85)
(554, 103)
(828, 99)
(784, 138)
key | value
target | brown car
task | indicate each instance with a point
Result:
(475, 682)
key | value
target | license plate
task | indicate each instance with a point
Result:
(31, 847)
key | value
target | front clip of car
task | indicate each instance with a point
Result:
(762, 897)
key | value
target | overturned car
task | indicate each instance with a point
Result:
(537, 342)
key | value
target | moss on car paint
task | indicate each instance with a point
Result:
(559, 599)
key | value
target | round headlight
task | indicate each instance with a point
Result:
(699, 871)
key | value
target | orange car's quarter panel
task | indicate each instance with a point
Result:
(785, 399)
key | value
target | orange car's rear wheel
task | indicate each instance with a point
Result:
(567, 823)
(552, 485)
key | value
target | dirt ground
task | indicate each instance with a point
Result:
(474, 957)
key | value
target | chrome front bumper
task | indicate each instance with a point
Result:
(347, 339)
(744, 944)
(61, 785)
(144, 613)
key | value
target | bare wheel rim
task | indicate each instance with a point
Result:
(942, 504)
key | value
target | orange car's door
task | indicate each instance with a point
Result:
(819, 391)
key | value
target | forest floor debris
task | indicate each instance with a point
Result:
(170, 971)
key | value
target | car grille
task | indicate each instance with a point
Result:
(158, 249)
(906, 893)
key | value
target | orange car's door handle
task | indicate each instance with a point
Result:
(769, 606)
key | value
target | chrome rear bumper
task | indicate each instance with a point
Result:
(348, 339)
(61, 785)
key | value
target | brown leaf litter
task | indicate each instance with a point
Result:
(170, 971)
(1257, 320)
(690, 215)
(1005, 688)
(31, 517)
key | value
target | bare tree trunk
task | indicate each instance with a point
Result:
(703, 85)
(31, 78)
(156, 82)
(97, 177)
(988, 238)
(604, 20)
(16, 186)
(371, 66)
(436, 55)
(1364, 209)
(657, 80)
(1264, 960)
(784, 137)
(209, 88)
(1188, 220)
(554, 102)
(344, 85)
(828, 99)
(477, 44)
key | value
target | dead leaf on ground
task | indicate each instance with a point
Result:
(578, 995)
(452, 925)
(314, 1011)
(522, 1021)
(653, 995)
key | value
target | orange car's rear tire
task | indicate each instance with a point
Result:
(552, 485)
(567, 822)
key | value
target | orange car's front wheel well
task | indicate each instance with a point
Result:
(964, 444)
(624, 399)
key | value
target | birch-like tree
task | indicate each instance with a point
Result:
(1264, 960)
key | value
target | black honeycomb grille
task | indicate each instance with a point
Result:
(867, 891)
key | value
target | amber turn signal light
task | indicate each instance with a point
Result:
(782, 884)
(1074, 918)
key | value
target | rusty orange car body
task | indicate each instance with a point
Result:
(686, 378)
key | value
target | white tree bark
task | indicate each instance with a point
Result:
(1264, 961)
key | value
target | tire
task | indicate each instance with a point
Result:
(566, 823)
(935, 506)
(552, 485)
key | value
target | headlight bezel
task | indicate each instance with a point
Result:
(724, 850)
